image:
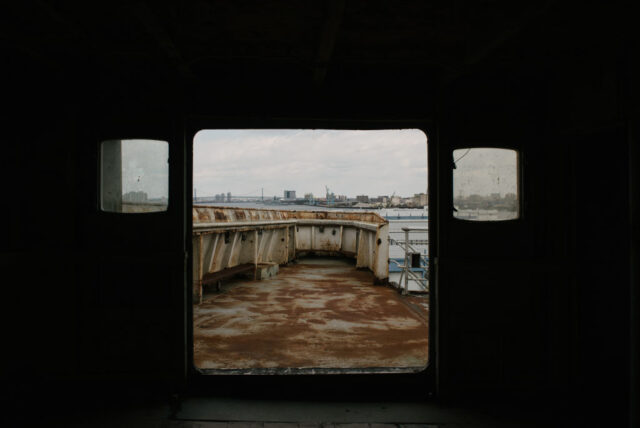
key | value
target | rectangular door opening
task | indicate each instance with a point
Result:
(310, 251)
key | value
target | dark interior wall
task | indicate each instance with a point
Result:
(131, 298)
(94, 297)
(39, 173)
(595, 129)
(537, 307)
(634, 239)
(503, 293)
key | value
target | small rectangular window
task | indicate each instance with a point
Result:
(134, 176)
(485, 184)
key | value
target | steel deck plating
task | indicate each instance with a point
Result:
(319, 315)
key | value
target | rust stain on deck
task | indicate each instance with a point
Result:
(320, 313)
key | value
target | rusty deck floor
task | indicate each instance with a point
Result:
(316, 314)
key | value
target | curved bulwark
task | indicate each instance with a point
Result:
(228, 241)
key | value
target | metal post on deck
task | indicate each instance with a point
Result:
(286, 241)
(406, 260)
(200, 266)
(255, 254)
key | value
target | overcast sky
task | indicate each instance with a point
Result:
(484, 171)
(349, 162)
(145, 167)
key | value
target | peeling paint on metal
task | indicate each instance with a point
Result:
(209, 214)
(321, 313)
(313, 231)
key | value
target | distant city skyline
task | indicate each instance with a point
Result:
(198, 194)
(351, 163)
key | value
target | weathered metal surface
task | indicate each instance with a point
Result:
(140, 208)
(318, 314)
(226, 237)
(209, 214)
(236, 225)
(212, 278)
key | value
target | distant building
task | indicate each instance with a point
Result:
(362, 198)
(228, 196)
(289, 194)
(420, 199)
(135, 197)
(331, 198)
(308, 196)
(363, 205)
(383, 199)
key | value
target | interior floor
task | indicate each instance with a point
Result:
(318, 313)
(236, 413)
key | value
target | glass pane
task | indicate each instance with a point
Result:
(485, 184)
(135, 176)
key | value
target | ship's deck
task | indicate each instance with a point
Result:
(316, 314)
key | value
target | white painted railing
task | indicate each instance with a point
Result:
(232, 239)
(408, 274)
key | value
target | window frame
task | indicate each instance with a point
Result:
(100, 170)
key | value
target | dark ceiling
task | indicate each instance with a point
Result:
(298, 43)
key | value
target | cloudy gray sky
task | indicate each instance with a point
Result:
(145, 167)
(349, 162)
(484, 171)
